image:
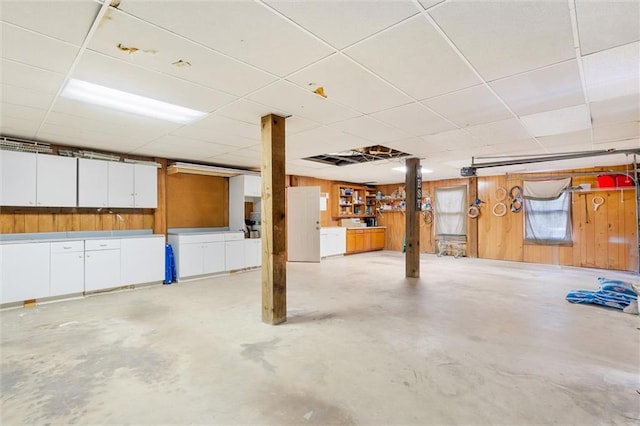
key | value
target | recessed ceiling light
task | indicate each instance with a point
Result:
(403, 169)
(122, 101)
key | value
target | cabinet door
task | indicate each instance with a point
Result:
(190, 260)
(102, 269)
(56, 181)
(142, 260)
(214, 260)
(377, 242)
(24, 271)
(145, 181)
(253, 252)
(234, 255)
(366, 240)
(93, 183)
(359, 240)
(252, 186)
(67, 273)
(325, 244)
(17, 178)
(351, 241)
(120, 185)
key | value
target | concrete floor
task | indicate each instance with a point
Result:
(472, 342)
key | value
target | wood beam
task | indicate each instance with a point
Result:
(412, 228)
(274, 259)
(160, 213)
(472, 228)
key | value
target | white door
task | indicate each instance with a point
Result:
(303, 223)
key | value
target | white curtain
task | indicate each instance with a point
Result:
(545, 189)
(451, 211)
(547, 210)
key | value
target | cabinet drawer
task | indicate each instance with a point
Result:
(233, 236)
(67, 246)
(102, 244)
(201, 238)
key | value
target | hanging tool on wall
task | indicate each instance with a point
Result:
(427, 210)
(474, 209)
(515, 193)
(597, 201)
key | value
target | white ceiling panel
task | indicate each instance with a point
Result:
(429, 3)
(414, 118)
(21, 96)
(18, 127)
(28, 77)
(580, 137)
(613, 73)
(499, 131)
(617, 132)
(321, 140)
(248, 111)
(626, 144)
(66, 20)
(348, 84)
(21, 112)
(522, 146)
(36, 50)
(302, 164)
(417, 146)
(229, 127)
(162, 51)
(202, 134)
(91, 139)
(293, 100)
(606, 24)
(342, 23)
(244, 30)
(405, 54)
(505, 38)
(558, 121)
(370, 129)
(233, 160)
(295, 125)
(116, 74)
(467, 107)
(178, 147)
(544, 89)
(616, 110)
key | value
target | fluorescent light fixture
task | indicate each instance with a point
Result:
(200, 169)
(116, 99)
(403, 169)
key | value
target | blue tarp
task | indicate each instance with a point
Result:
(612, 293)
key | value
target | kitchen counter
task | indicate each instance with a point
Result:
(48, 237)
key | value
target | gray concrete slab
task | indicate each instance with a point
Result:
(471, 342)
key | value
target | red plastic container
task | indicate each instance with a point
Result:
(623, 180)
(606, 181)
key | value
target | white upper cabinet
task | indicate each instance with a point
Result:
(37, 180)
(93, 183)
(252, 186)
(145, 182)
(56, 180)
(17, 178)
(133, 185)
(121, 185)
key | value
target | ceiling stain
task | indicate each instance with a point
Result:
(181, 64)
(115, 3)
(320, 91)
(132, 50)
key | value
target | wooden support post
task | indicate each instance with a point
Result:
(160, 213)
(274, 260)
(412, 228)
(472, 228)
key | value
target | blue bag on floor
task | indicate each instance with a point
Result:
(170, 275)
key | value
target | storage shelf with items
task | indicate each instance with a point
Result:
(394, 202)
(353, 201)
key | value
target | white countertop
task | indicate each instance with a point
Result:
(79, 238)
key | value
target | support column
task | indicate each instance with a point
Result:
(160, 213)
(472, 224)
(413, 187)
(273, 229)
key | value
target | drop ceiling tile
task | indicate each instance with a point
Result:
(321, 140)
(247, 111)
(88, 139)
(21, 112)
(613, 73)
(247, 31)
(345, 22)
(617, 132)
(499, 131)
(414, 118)
(233, 160)
(307, 164)
(506, 38)
(214, 137)
(223, 126)
(626, 144)
(20, 96)
(429, 3)
(579, 137)
(28, 77)
(615, 110)
(285, 96)
(370, 129)
(109, 72)
(36, 50)
(295, 125)
(418, 147)
(404, 56)
(162, 51)
(559, 121)
(68, 20)
(348, 84)
(606, 24)
(18, 127)
(519, 147)
(544, 89)
(475, 105)
(180, 145)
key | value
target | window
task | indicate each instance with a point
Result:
(451, 211)
(548, 216)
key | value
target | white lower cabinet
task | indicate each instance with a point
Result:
(213, 257)
(142, 259)
(67, 268)
(333, 241)
(101, 264)
(234, 251)
(24, 271)
(253, 252)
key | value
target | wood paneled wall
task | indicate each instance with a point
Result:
(197, 201)
(606, 238)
